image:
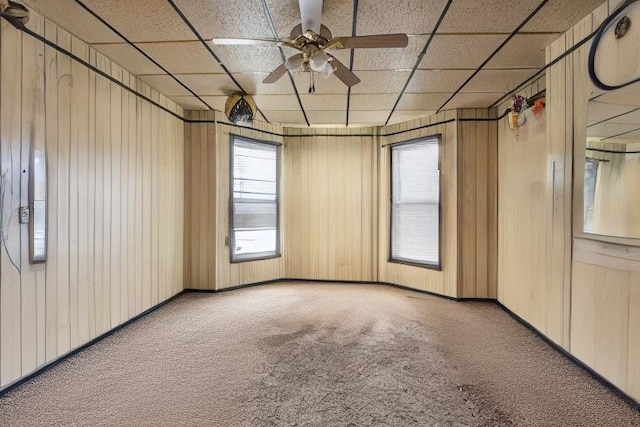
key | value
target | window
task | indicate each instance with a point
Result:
(415, 202)
(255, 195)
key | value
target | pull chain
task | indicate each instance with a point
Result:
(312, 83)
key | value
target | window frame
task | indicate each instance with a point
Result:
(414, 263)
(259, 256)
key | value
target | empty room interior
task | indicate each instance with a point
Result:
(320, 213)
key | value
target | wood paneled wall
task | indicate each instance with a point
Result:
(443, 282)
(605, 317)
(525, 180)
(207, 195)
(115, 204)
(468, 206)
(582, 291)
(335, 205)
(605, 285)
(477, 144)
(330, 204)
(200, 191)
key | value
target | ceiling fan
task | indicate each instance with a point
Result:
(313, 40)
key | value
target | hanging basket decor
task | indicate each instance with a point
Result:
(240, 108)
(519, 106)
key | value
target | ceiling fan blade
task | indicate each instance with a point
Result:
(343, 73)
(275, 75)
(229, 41)
(375, 41)
(311, 14)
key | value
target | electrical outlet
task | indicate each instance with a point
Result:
(24, 215)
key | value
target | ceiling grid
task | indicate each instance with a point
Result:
(473, 57)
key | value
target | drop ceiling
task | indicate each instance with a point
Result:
(469, 34)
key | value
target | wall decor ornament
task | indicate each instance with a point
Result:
(519, 106)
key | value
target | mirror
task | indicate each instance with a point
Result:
(612, 150)
(612, 164)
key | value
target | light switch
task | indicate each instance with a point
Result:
(24, 215)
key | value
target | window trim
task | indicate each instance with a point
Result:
(404, 261)
(258, 256)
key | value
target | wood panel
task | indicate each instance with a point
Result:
(207, 195)
(477, 144)
(605, 280)
(443, 282)
(107, 152)
(330, 203)
(605, 332)
(10, 253)
(235, 274)
(579, 290)
(200, 193)
(523, 209)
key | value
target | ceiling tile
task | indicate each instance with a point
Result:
(214, 84)
(523, 51)
(389, 59)
(336, 15)
(74, 19)
(142, 20)
(190, 103)
(437, 80)
(184, 57)
(380, 82)
(367, 116)
(129, 58)
(318, 102)
(372, 102)
(217, 102)
(329, 85)
(252, 83)
(247, 58)
(473, 100)
(400, 116)
(327, 117)
(277, 102)
(165, 85)
(489, 16)
(560, 15)
(399, 16)
(226, 18)
(285, 117)
(422, 101)
(498, 80)
(460, 51)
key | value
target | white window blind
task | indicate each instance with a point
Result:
(255, 198)
(415, 215)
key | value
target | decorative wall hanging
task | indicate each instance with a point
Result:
(240, 108)
(520, 105)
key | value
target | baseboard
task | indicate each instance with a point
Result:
(354, 282)
(43, 368)
(594, 374)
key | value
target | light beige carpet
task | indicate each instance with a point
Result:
(318, 355)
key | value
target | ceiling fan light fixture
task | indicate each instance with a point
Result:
(294, 63)
(318, 61)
